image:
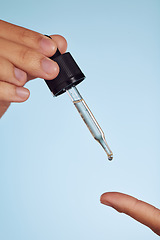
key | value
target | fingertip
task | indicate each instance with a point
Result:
(50, 68)
(22, 94)
(61, 42)
(105, 199)
(102, 198)
(137, 209)
(21, 76)
(47, 46)
(114, 200)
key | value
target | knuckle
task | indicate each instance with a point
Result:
(30, 61)
(24, 36)
(5, 69)
(8, 74)
(30, 38)
(131, 208)
(27, 56)
(37, 38)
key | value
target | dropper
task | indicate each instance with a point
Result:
(69, 76)
(89, 120)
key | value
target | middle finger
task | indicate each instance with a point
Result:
(29, 60)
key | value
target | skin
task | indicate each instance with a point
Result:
(24, 55)
(139, 210)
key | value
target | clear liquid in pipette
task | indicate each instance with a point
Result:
(92, 125)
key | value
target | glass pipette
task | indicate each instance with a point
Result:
(89, 120)
(69, 76)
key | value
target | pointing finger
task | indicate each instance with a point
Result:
(139, 210)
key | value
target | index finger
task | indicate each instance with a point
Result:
(28, 38)
(139, 210)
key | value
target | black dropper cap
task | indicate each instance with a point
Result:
(70, 74)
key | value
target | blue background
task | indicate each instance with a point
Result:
(52, 172)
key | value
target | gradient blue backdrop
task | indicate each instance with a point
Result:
(52, 172)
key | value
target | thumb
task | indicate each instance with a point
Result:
(139, 210)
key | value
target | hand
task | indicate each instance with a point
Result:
(140, 211)
(24, 55)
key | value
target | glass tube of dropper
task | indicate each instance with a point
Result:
(89, 120)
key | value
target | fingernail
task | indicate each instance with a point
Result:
(105, 202)
(22, 92)
(49, 66)
(48, 45)
(19, 74)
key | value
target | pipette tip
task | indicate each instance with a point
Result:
(105, 146)
(110, 158)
